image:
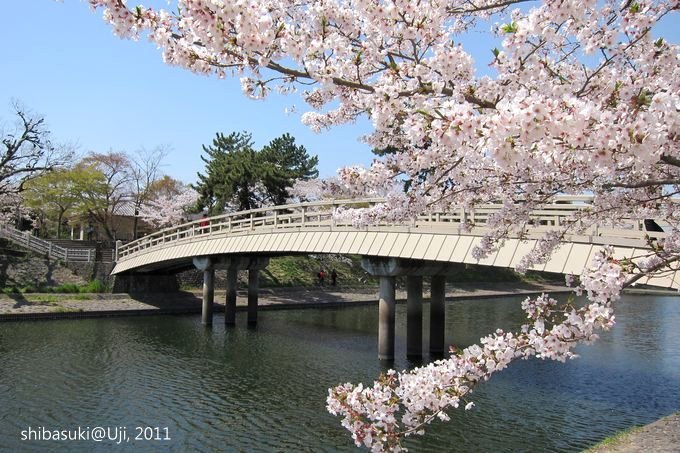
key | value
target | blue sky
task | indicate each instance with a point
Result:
(103, 93)
(62, 61)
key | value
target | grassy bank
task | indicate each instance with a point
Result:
(617, 440)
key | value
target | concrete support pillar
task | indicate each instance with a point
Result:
(437, 315)
(253, 286)
(208, 296)
(414, 317)
(230, 302)
(206, 264)
(386, 319)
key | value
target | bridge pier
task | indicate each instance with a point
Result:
(414, 316)
(386, 318)
(254, 264)
(437, 315)
(230, 302)
(206, 265)
(253, 287)
(387, 269)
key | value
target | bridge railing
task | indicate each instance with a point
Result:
(321, 214)
(26, 240)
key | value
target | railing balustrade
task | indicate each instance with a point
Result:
(30, 242)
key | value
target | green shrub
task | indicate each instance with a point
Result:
(94, 286)
(11, 290)
(67, 288)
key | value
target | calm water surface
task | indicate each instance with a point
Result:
(265, 389)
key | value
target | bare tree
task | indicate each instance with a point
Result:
(144, 172)
(27, 151)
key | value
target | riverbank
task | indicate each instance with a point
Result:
(54, 306)
(662, 436)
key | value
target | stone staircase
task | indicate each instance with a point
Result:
(42, 247)
(104, 251)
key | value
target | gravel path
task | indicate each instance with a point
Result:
(36, 306)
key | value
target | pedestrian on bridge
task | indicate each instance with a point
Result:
(204, 223)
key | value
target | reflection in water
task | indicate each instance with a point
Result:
(265, 389)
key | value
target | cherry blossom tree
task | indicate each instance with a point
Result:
(168, 203)
(581, 97)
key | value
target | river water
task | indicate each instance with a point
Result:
(265, 389)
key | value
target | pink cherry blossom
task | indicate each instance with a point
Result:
(580, 97)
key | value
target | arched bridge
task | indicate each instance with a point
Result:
(310, 228)
(424, 246)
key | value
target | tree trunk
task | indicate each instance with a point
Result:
(135, 222)
(59, 220)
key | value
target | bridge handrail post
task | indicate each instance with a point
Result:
(276, 217)
(594, 230)
(304, 215)
(252, 227)
(463, 216)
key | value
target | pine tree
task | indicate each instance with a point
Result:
(238, 177)
(282, 164)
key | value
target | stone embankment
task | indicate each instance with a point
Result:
(662, 436)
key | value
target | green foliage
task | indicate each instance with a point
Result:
(291, 271)
(94, 286)
(240, 177)
(58, 194)
(385, 151)
(509, 28)
(617, 440)
(282, 163)
(68, 288)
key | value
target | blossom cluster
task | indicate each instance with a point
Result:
(168, 209)
(402, 404)
(581, 96)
